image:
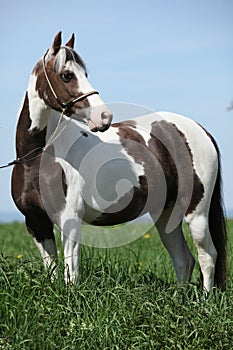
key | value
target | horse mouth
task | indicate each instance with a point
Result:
(95, 128)
(104, 127)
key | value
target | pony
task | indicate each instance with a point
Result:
(74, 165)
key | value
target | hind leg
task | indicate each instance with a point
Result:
(176, 245)
(207, 255)
(41, 228)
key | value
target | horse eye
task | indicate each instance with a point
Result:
(67, 76)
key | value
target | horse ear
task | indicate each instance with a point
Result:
(70, 43)
(56, 44)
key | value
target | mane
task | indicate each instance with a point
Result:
(67, 54)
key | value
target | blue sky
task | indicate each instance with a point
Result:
(164, 55)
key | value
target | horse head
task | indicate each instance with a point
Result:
(59, 83)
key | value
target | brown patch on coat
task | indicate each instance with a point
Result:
(27, 177)
(169, 149)
(129, 123)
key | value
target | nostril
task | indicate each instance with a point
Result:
(106, 117)
(104, 128)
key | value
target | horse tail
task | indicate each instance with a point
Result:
(217, 227)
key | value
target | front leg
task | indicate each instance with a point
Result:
(71, 242)
(41, 228)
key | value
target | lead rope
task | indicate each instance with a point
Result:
(23, 158)
(50, 141)
(55, 133)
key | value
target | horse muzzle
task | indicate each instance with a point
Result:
(106, 119)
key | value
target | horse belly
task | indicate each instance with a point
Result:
(116, 194)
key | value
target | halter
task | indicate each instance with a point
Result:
(64, 106)
(56, 133)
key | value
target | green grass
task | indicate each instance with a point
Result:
(127, 298)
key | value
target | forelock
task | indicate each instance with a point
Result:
(67, 54)
(60, 60)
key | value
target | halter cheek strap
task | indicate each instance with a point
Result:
(64, 106)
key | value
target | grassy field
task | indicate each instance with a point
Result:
(127, 298)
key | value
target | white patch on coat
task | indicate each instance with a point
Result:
(39, 111)
(97, 169)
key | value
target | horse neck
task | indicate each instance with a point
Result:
(39, 111)
(27, 138)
